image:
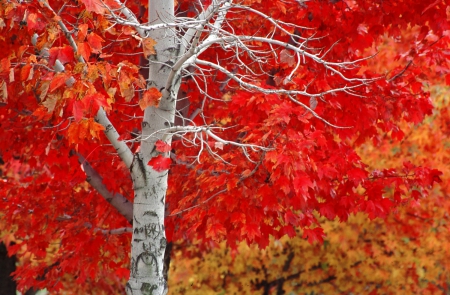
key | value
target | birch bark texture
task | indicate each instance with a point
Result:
(150, 186)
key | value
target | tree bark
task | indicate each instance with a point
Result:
(7, 266)
(149, 242)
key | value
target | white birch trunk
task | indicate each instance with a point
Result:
(150, 186)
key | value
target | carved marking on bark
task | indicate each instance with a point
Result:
(128, 289)
(147, 264)
(147, 289)
(162, 244)
(151, 213)
(152, 230)
(108, 128)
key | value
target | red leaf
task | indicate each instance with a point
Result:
(290, 218)
(82, 32)
(288, 230)
(57, 81)
(216, 231)
(84, 50)
(251, 230)
(314, 235)
(12, 250)
(64, 54)
(162, 147)
(281, 6)
(302, 183)
(25, 72)
(94, 101)
(160, 163)
(77, 110)
(5, 64)
(328, 211)
(95, 6)
(35, 22)
(122, 272)
(95, 41)
(447, 79)
(148, 46)
(357, 175)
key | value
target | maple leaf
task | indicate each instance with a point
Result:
(281, 6)
(35, 22)
(251, 231)
(95, 101)
(301, 184)
(57, 81)
(216, 231)
(95, 42)
(162, 147)
(314, 235)
(82, 32)
(160, 163)
(95, 6)
(5, 64)
(150, 98)
(84, 50)
(26, 72)
(148, 46)
(290, 218)
(357, 175)
(63, 54)
(77, 110)
(95, 128)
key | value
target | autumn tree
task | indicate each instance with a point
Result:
(252, 106)
(406, 253)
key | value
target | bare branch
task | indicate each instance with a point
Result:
(118, 201)
(111, 133)
(116, 231)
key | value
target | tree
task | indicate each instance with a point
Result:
(405, 253)
(268, 98)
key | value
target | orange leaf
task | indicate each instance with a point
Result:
(80, 131)
(148, 45)
(95, 41)
(5, 64)
(25, 72)
(84, 50)
(82, 32)
(150, 98)
(57, 81)
(112, 4)
(72, 133)
(95, 128)
(281, 6)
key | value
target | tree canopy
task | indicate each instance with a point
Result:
(274, 99)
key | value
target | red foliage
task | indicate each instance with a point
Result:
(310, 168)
